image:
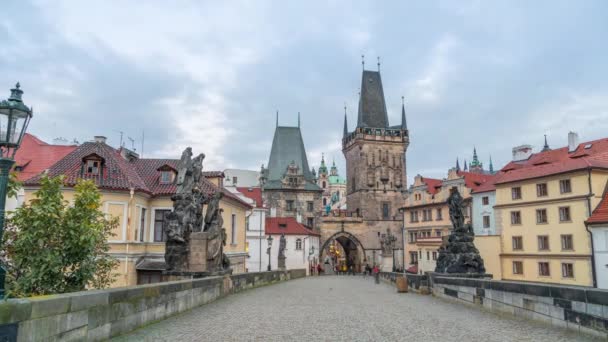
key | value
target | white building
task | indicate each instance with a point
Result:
(302, 244)
(241, 178)
(598, 225)
(483, 200)
(256, 221)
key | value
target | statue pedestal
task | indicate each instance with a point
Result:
(387, 263)
(281, 264)
(197, 259)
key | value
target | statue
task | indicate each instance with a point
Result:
(387, 242)
(282, 246)
(459, 255)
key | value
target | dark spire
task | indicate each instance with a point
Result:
(546, 147)
(475, 163)
(403, 121)
(457, 164)
(277, 118)
(465, 165)
(345, 122)
(372, 107)
(363, 62)
(378, 63)
(298, 119)
(491, 166)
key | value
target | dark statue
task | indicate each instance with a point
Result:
(459, 255)
(387, 242)
(187, 216)
(214, 226)
(281, 257)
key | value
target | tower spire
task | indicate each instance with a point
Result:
(546, 147)
(298, 119)
(465, 165)
(457, 164)
(277, 118)
(491, 166)
(378, 63)
(403, 121)
(363, 62)
(345, 123)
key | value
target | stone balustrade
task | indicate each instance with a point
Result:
(100, 314)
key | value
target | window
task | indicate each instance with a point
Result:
(159, 228)
(567, 242)
(543, 242)
(247, 223)
(142, 224)
(324, 201)
(310, 206)
(310, 221)
(412, 237)
(428, 255)
(541, 190)
(518, 243)
(290, 204)
(324, 185)
(92, 167)
(413, 258)
(541, 216)
(438, 233)
(420, 254)
(385, 211)
(485, 200)
(148, 277)
(434, 255)
(233, 230)
(427, 214)
(516, 193)
(518, 267)
(486, 221)
(543, 269)
(298, 244)
(234, 180)
(564, 186)
(282, 226)
(166, 177)
(567, 270)
(515, 217)
(439, 215)
(564, 214)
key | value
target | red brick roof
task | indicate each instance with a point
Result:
(35, 156)
(600, 214)
(433, 185)
(287, 226)
(591, 154)
(474, 180)
(254, 193)
(141, 175)
(490, 185)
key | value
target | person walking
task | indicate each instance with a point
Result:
(376, 273)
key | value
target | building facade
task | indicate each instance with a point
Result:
(256, 223)
(138, 192)
(302, 244)
(598, 225)
(542, 202)
(483, 200)
(334, 187)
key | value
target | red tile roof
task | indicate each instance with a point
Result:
(141, 175)
(474, 180)
(213, 174)
(35, 156)
(433, 185)
(490, 185)
(287, 226)
(254, 193)
(591, 154)
(600, 214)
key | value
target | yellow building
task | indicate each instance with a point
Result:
(426, 215)
(138, 192)
(542, 202)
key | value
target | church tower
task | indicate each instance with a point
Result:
(375, 156)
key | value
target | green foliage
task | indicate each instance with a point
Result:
(13, 186)
(52, 247)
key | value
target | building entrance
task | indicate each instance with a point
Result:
(341, 251)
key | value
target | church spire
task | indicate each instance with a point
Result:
(465, 165)
(345, 122)
(546, 147)
(277, 118)
(298, 119)
(491, 166)
(457, 164)
(403, 121)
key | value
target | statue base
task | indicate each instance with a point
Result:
(387, 263)
(199, 266)
(281, 264)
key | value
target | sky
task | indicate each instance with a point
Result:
(212, 74)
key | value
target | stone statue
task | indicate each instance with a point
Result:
(387, 242)
(214, 226)
(282, 246)
(459, 255)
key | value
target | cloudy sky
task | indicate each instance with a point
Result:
(211, 74)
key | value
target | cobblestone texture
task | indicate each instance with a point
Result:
(343, 308)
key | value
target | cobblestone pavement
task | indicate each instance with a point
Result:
(343, 308)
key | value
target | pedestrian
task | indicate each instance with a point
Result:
(376, 273)
(319, 269)
(351, 271)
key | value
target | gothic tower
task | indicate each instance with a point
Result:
(375, 156)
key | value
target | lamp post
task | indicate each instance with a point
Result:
(14, 118)
(268, 250)
(402, 211)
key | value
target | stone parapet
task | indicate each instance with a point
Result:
(101, 314)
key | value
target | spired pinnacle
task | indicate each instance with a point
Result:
(491, 166)
(403, 121)
(345, 122)
(457, 164)
(546, 147)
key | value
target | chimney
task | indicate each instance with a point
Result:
(572, 141)
(99, 139)
(522, 152)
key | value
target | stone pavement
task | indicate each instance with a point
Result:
(343, 308)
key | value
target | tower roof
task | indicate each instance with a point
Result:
(287, 147)
(372, 107)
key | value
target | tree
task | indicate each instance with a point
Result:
(53, 247)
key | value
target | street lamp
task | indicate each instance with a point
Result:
(14, 118)
(268, 250)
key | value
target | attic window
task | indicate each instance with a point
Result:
(92, 167)
(282, 226)
(19, 168)
(166, 177)
(588, 146)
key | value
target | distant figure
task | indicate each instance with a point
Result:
(351, 270)
(319, 269)
(368, 270)
(376, 273)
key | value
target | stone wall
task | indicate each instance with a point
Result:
(416, 282)
(101, 314)
(578, 308)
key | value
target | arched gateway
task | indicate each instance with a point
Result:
(352, 249)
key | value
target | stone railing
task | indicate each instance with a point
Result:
(576, 308)
(416, 282)
(101, 314)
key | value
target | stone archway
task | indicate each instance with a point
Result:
(354, 253)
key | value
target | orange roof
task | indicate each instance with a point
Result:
(254, 193)
(432, 185)
(35, 156)
(600, 214)
(474, 180)
(287, 226)
(591, 154)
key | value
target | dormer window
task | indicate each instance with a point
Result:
(166, 177)
(92, 167)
